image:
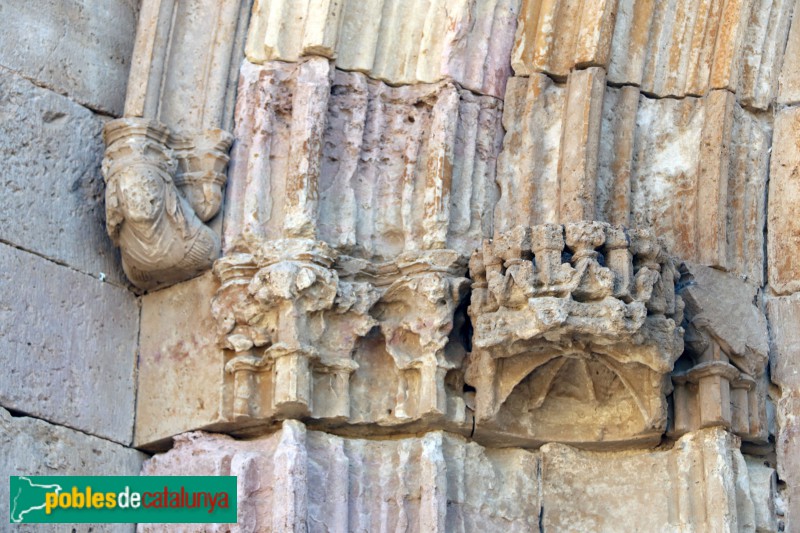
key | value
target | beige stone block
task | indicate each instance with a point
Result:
(615, 157)
(81, 49)
(701, 484)
(396, 41)
(763, 488)
(548, 168)
(554, 37)
(763, 51)
(52, 188)
(181, 378)
(69, 343)
(34, 447)
(784, 316)
(183, 71)
(784, 195)
(698, 177)
(787, 448)
(688, 47)
(789, 81)
(297, 478)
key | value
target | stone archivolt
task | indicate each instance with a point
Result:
(574, 350)
(396, 41)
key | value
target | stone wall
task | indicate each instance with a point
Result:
(471, 265)
(69, 323)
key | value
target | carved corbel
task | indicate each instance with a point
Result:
(578, 319)
(165, 161)
(289, 322)
(155, 182)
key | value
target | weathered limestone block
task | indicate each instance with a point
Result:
(574, 350)
(81, 49)
(784, 316)
(165, 160)
(701, 484)
(763, 488)
(698, 179)
(789, 82)
(299, 480)
(720, 380)
(762, 53)
(556, 37)
(181, 378)
(69, 346)
(694, 169)
(688, 48)
(400, 42)
(547, 170)
(787, 447)
(51, 188)
(34, 447)
(370, 169)
(185, 63)
(784, 197)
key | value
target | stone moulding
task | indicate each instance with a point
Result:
(401, 42)
(160, 188)
(576, 332)
(292, 312)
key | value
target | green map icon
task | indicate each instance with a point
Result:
(28, 498)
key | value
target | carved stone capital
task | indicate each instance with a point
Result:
(289, 321)
(575, 335)
(160, 188)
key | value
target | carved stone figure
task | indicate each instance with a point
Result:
(159, 190)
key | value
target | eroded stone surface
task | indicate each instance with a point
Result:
(373, 170)
(720, 378)
(34, 447)
(180, 373)
(784, 315)
(577, 327)
(702, 484)
(694, 169)
(81, 49)
(682, 48)
(69, 343)
(52, 188)
(787, 447)
(397, 41)
(298, 480)
(784, 203)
